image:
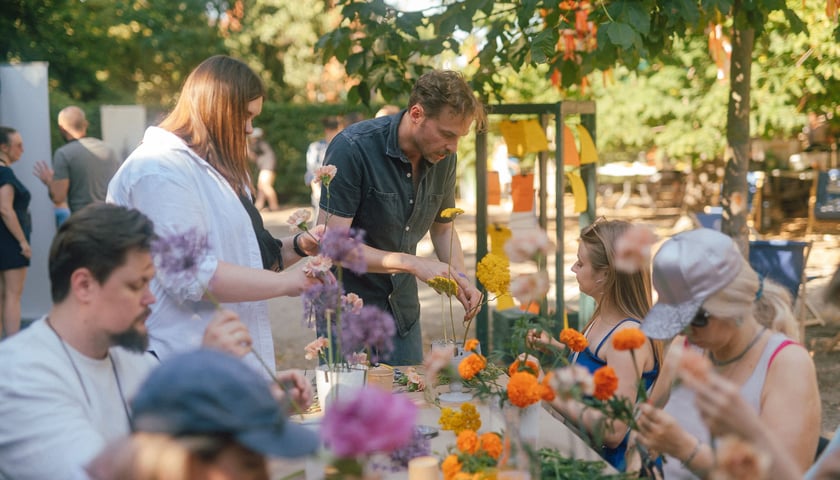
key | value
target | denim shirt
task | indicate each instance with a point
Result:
(373, 186)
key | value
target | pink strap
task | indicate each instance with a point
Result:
(778, 349)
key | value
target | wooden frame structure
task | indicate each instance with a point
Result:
(559, 111)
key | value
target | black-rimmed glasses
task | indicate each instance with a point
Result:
(701, 319)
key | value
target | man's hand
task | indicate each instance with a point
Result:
(44, 172)
(228, 334)
(427, 268)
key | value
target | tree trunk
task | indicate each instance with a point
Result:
(734, 195)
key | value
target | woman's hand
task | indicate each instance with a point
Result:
(660, 432)
(25, 249)
(538, 339)
(227, 333)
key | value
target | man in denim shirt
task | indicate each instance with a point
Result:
(395, 176)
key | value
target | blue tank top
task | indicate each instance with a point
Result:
(591, 361)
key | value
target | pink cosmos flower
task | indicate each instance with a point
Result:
(299, 219)
(324, 174)
(527, 245)
(317, 266)
(632, 249)
(316, 348)
(530, 288)
(369, 421)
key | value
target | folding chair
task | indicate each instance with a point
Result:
(784, 261)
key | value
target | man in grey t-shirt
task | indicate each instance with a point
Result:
(82, 168)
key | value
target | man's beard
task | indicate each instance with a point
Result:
(133, 339)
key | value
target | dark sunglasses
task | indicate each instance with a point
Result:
(701, 319)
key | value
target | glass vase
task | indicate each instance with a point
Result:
(519, 459)
(456, 393)
(338, 380)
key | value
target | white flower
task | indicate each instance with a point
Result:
(530, 288)
(324, 174)
(299, 219)
(317, 265)
(632, 249)
(527, 245)
(567, 380)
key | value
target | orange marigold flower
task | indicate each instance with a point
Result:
(470, 366)
(470, 345)
(628, 339)
(523, 389)
(547, 392)
(491, 443)
(574, 339)
(606, 382)
(530, 367)
(450, 467)
(467, 441)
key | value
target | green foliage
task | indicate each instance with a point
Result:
(289, 129)
(556, 466)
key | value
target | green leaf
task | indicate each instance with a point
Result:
(620, 34)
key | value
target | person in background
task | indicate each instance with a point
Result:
(223, 420)
(81, 169)
(262, 154)
(15, 228)
(68, 378)
(387, 110)
(315, 158)
(396, 175)
(707, 302)
(622, 300)
(191, 177)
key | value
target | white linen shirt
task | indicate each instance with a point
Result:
(178, 190)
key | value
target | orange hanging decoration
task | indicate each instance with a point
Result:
(568, 5)
(569, 44)
(582, 22)
(831, 8)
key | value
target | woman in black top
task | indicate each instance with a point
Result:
(15, 228)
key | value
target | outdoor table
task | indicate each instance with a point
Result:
(628, 174)
(552, 433)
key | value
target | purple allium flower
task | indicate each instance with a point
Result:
(319, 300)
(419, 446)
(344, 246)
(369, 421)
(177, 257)
(371, 328)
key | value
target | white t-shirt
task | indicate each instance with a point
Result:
(49, 427)
(179, 191)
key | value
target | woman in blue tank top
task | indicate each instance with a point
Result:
(622, 298)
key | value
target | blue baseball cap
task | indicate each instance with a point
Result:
(210, 392)
(687, 270)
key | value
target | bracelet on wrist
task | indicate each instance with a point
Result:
(687, 462)
(296, 246)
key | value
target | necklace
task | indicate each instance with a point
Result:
(79, 375)
(723, 363)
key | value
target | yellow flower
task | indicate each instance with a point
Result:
(470, 345)
(467, 441)
(628, 339)
(443, 285)
(493, 271)
(467, 418)
(451, 212)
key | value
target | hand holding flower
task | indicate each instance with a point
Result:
(298, 390)
(660, 432)
(227, 333)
